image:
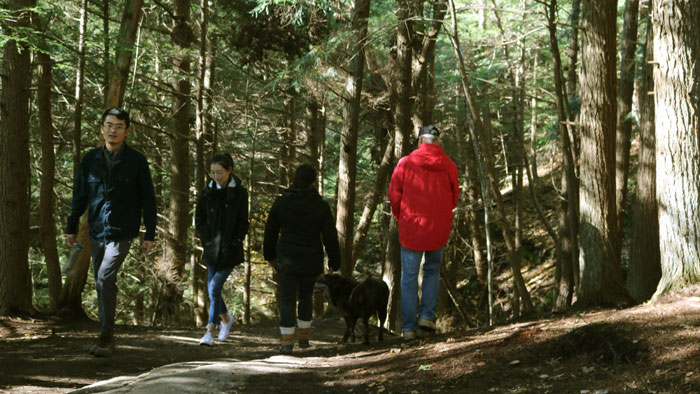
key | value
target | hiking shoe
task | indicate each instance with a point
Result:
(425, 328)
(303, 335)
(287, 348)
(207, 339)
(225, 328)
(409, 335)
(104, 346)
(304, 343)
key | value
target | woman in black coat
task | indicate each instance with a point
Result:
(221, 220)
(307, 226)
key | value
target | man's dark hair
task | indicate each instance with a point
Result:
(304, 176)
(119, 113)
(224, 160)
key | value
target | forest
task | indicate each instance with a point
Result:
(574, 125)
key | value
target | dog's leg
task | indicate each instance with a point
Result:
(352, 327)
(365, 320)
(348, 326)
(381, 318)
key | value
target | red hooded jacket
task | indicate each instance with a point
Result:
(423, 191)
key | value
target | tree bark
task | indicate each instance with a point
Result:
(202, 153)
(423, 68)
(79, 82)
(601, 275)
(380, 181)
(347, 166)
(15, 278)
(574, 138)
(624, 109)
(172, 266)
(644, 269)
(289, 136)
(402, 134)
(677, 99)
(123, 53)
(48, 171)
(565, 283)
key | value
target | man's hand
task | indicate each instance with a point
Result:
(330, 271)
(70, 240)
(147, 246)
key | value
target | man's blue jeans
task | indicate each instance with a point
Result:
(215, 284)
(107, 258)
(410, 267)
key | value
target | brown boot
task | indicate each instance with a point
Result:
(104, 346)
(287, 343)
(304, 337)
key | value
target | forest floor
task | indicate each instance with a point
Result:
(651, 348)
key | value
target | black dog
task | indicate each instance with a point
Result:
(358, 300)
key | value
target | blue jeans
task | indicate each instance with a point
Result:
(410, 266)
(290, 287)
(215, 284)
(107, 258)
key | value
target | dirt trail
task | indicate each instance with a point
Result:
(645, 349)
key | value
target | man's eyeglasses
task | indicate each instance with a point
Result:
(215, 174)
(114, 126)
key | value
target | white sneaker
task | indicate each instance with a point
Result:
(207, 339)
(225, 328)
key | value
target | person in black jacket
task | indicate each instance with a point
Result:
(306, 226)
(221, 220)
(114, 184)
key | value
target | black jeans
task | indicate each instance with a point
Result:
(290, 287)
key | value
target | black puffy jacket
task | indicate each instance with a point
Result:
(222, 224)
(306, 226)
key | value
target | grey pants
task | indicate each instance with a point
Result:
(107, 258)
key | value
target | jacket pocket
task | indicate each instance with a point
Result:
(211, 251)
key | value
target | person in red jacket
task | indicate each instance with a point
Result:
(423, 192)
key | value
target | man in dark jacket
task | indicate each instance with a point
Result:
(114, 184)
(423, 192)
(306, 225)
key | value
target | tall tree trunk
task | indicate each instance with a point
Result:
(347, 166)
(677, 98)
(105, 50)
(566, 240)
(48, 172)
(123, 53)
(289, 136)
(484, 144)
(624, 109)
(172, 265)
(15, 278)
(313, 137)
(203, 126)
(423, 68)
(372, 201)
(70, 304)
(403, 132)
(572, 71)
(79, 82)
(574, 138)
(252, 197)
(644, 269)
(601, 275)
